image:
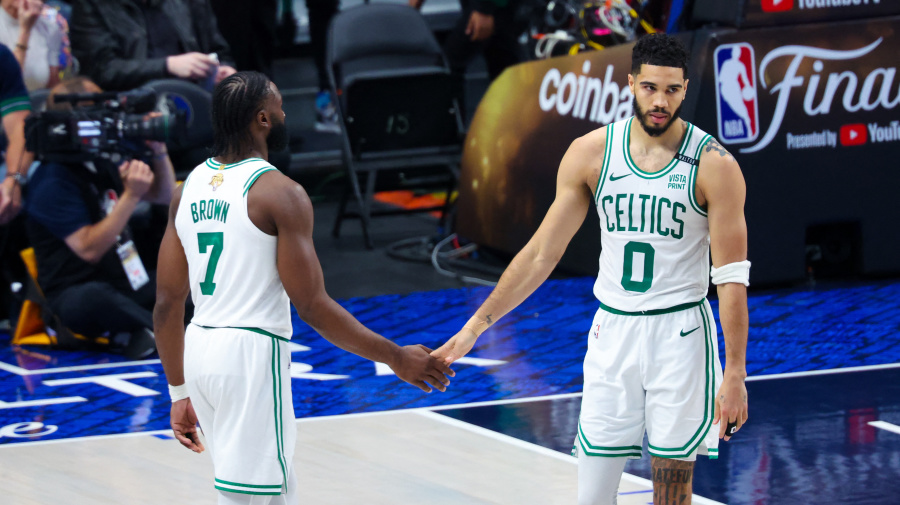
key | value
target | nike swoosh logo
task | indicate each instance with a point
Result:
(686, 333)
(614, 178)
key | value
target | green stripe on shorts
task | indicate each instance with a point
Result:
(697, 438)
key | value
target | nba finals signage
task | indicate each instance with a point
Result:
(812, 113)
(820, 93)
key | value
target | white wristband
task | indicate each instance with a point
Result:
(178, 392)
(738, 272)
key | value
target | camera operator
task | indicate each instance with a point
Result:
(88, 267)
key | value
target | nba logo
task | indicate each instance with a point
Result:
(736, 102)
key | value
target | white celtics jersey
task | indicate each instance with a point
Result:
(231, 262)
(654, 236)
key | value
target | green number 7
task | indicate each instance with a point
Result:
(207, 287)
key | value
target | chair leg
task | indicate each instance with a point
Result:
(366, 208)
(342, 211)
(445, 210)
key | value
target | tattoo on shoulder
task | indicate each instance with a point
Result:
(714, 145)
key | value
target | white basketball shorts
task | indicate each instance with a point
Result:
(240, 386)
(658, 372)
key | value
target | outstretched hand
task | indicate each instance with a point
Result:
(184, 424)
(457, 347)
(417, 367)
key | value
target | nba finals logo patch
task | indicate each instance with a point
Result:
(736, 101)
(216, 181)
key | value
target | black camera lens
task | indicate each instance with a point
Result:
(158, 128)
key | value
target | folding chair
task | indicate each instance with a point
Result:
(37, 324)
(396, 106)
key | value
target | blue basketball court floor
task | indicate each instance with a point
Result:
(824, 386)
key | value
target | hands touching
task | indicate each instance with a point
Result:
(458, 346)
(420, 369)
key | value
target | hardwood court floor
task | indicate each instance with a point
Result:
(392, 458)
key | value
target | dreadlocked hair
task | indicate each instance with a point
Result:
(235, 102)
(661, 50)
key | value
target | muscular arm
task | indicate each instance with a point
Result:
(721, 186)
(280, 206)
(534, 263)
(172, 289)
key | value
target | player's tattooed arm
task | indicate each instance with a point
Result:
(672, 481)
(714, 145)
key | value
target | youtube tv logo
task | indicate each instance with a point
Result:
(777, 5)
(854, 134)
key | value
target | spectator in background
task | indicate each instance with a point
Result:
(249, 28)
(122, 44)
(78, 223)
(320, 14)
(488, 27)
(35, 40)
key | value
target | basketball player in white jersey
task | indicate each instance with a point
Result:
(239, 240)
(667, 194)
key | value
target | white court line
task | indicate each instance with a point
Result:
(506, 402)
(884, 425)
(441, 407)
(809, 373)
(22, 371)
(540, 449)
(94, 437)
(497, 436)
(458, 405)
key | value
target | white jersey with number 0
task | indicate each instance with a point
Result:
(231, 262)
(654, 235)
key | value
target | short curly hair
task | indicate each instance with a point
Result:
(235, 102)
(659, 49)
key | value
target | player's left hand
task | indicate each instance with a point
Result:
(184, 424)
(731, 406)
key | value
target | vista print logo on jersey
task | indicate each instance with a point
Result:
(736, 99)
